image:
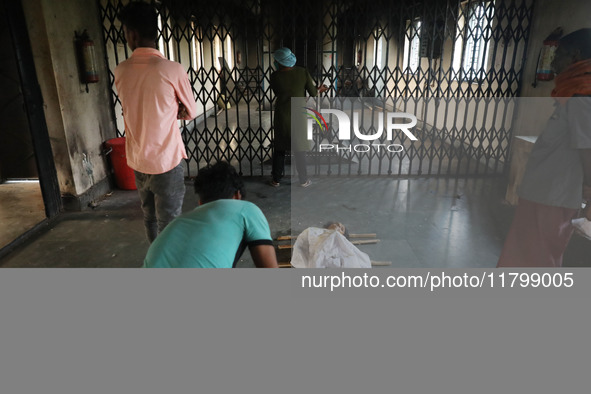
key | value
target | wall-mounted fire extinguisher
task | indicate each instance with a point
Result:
(544, 70)
(86, 59)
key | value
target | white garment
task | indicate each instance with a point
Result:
(582, 227)
(323, 248)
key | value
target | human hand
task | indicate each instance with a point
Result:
(587, 211)
(322, 88)
(587, 198)
(182, 113)
(586, 193)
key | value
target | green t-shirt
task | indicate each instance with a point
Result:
(213, 235)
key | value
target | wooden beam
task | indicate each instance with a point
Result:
(289, 237)
(362, 242)
(373, 263)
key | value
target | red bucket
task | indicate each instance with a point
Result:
(124, 176)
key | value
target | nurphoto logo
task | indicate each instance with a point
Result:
(401, 121)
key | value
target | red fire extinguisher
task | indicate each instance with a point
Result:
(86, 58)
(544, 70)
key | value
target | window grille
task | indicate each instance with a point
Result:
(467, 51)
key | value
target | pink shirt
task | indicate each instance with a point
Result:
(150, 88)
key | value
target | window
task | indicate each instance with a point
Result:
(217, 52)
(196, 46)
(165, 43)
(222, 52)
(229, 53)
(379, 54)
(472, 44)
(412, 46)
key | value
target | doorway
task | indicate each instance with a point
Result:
(29, 192)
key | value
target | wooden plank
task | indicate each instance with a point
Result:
(289, 237)
(373, 263)
(381, 263)
(286, 237)
(366, 242)
(370, 235)
(362, 242)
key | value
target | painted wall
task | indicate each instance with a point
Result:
(78, 122)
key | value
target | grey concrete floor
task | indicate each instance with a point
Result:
(421, 222)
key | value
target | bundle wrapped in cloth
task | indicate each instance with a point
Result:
(327, 248)
(582, 227)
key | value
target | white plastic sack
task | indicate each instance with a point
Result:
(323, 248)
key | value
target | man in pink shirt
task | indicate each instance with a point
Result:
(154, 93)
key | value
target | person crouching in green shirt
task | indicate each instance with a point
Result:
(216, 233)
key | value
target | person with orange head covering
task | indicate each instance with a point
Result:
(287, 82)
(557, 179)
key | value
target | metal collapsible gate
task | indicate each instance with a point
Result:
(454, 60)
